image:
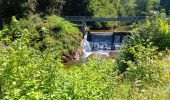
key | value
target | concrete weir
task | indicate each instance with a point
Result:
(103, 42)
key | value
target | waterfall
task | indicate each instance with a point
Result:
(117, 42)
(86, 47)
(102, 42)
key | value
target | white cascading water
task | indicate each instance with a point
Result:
(117, 43)
(87, 48)
(101, 43)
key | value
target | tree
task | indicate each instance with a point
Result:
(165, 4)
(10, 8)
(145, 6)
(76, 7)
(129, 7)
(51, 6)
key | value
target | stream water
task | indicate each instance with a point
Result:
(101, 43)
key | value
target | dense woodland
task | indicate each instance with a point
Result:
(34, 37)
(96, 8)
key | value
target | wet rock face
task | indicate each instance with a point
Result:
(78, 53)
(68, 57)
(72, 56)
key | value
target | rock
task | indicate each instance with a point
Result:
(72, 56)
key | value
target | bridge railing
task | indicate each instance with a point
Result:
(90, 18)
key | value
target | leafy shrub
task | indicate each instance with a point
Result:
(26, 73)
(139, 57)
(12, 32)
(155, 30)
(42, 34)
(93, 82)
(137, 60)
(50, 6)
(25, 77)
(67, 34)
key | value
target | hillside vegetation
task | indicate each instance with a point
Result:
(42, 33)
(34, 37)
(31, 67)
(95, 8)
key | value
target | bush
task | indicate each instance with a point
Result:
(139, 58)
(9, 8)
(155, 30)
(51, 6)
(93, 82)
(68, 36)
(23, 76)
(54, 32)
(30, 56)
(12, 32)
(30, 73)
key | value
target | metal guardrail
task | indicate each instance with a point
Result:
(90, 18)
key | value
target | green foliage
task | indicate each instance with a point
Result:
(31, 58)
(30, 51)
(23, 42)
(103, 8)
(28, 73)
(146, 71)
(10, 8)
(100, 8)
(155, 30)
(54, 32)
(165, 5)
(111, 8)
(50, 6)
(145, 6)
(92, 82)
(138, 60)
(139, 57)
(68, 36)
(119, 8)
(25, 77)
(28, 7)
(12, 32)
(70, 8)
